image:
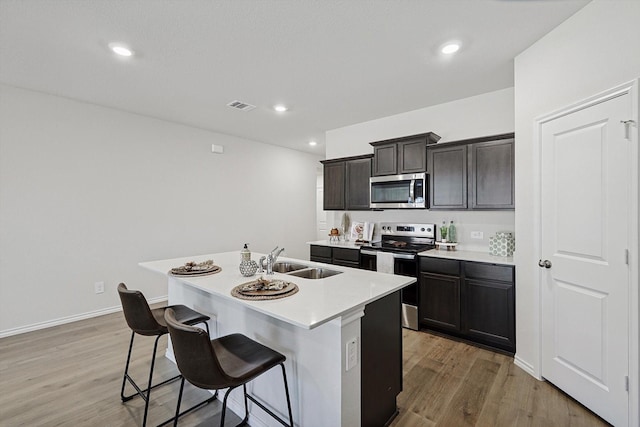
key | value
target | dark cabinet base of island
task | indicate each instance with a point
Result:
(381, 375)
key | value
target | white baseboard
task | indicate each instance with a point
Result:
(525, 366)
(69, 319)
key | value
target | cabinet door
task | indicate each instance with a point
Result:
(492, 175)
(334, 183)
(358, 173)
(385, 160)
(412, 156)
(490, 313)
(447, 167)
(440, 301)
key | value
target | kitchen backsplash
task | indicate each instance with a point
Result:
(487, 223)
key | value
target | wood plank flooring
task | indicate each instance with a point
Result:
(71, 375)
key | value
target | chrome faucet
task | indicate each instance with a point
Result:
(268, 260)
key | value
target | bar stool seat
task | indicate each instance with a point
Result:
(145, 321)
(227, 362)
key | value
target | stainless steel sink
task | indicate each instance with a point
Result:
(315, 273)
(286, 267)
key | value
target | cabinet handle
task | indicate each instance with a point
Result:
(546, 263)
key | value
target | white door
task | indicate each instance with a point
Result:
(585, 224)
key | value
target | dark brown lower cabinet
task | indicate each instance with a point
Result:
(490, 313)
(381, 371)
(345, 257)
(470, 300)
(440, 301)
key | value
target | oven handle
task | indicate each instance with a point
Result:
(395, 255)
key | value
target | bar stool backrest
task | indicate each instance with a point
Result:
(195, 355)
(137, 312)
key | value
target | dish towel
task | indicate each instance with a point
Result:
(384, 262)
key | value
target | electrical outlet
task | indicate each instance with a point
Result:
(477, 235)
(98, 287)
(352, 353)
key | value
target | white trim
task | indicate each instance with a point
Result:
(634, 259)
(630, 88)
(527, 367)
(70, 319)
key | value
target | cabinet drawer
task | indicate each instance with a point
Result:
(321, 251)
(441, 266)
(477, 270)
(343, 254)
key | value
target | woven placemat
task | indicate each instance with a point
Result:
(191, 269)
(266, 294)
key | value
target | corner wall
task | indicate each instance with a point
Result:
(594, 50)
(87, 192)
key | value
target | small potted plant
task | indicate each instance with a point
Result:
(443, 232)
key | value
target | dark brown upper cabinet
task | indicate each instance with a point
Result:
(492, 175)
(346, 183)
(402, 155)
(448, 177)
(474, 174)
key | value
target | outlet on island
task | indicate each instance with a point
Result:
(352, 353)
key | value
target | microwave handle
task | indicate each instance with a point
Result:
(412, 187)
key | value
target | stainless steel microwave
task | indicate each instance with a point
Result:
(407, 191)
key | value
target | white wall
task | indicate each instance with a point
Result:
(594, 50)
(87, 192)
(487, 114)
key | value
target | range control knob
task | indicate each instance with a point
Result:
(422, 229)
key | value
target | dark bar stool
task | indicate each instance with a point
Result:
(227, 362)
(145, 321)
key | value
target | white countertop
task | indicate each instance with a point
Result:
(468, 256)
(340, 244)
(318, 300)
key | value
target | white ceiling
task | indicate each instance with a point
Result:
(333, 62)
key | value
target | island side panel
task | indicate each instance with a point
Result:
(322, 392)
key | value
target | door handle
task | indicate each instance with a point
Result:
(546, 263)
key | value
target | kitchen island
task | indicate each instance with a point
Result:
(313, 329)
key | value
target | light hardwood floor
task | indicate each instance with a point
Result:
(71, 375)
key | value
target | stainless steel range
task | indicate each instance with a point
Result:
(403, 241)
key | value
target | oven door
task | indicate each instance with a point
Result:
(404, 264)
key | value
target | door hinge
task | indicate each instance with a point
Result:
(626, 256)
(627, 124)
(626, 383)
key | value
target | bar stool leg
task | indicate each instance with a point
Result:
(149, 387)
(286, 390)
(126, 372)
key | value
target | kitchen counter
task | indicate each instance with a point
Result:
(312, 328)
(341, 244)
(468, 256)
(318, 300)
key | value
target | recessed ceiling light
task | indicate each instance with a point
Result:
(312, 143)
(120, 49)
(450, 48)
(280, 108)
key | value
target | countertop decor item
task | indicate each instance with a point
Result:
(196, 269)
(248, 268)
(446, 246)
(263, 289)
(502, 244)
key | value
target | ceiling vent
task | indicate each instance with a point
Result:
(243, 106)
